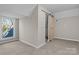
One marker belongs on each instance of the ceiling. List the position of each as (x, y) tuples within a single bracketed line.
[(16, 9), (60, 7), (26, 9)]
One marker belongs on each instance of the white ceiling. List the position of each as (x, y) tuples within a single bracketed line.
[(60, 7), (16, 9), (25, 9)]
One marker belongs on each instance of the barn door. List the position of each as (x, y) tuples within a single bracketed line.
[(51, 27)]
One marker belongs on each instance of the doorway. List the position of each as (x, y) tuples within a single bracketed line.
[(50, 27)]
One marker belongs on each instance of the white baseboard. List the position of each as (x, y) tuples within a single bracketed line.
[(41, 45), (32, 44), (6, 41), (67, 39), (28, 43)]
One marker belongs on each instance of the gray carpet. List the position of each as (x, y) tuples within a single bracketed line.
[(55, 47)]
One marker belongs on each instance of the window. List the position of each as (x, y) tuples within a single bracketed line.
[(8, 27)]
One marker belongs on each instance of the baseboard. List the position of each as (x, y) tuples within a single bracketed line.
[(35, 46), (7, 41), (29, 43), (67, 39), (41, 45)]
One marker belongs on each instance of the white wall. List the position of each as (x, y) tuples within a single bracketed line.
[(28, 28), (32, 28), (67, 26), (17, 29), (41, 26)]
